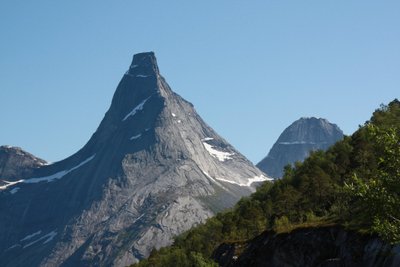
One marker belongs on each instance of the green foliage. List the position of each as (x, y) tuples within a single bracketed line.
[(198, 261), (356, 182), (387, 116), (378, 195), (174, 257), (388, 229), (282, 224)]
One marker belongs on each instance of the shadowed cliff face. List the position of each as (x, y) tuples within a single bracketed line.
[(325, 247), (152, 170), (296, 142)]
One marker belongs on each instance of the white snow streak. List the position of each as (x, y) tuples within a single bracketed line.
[(208, 176), (220, 155), (50, 236), (47, 239), (137, 219), (296, 143), (260, 178), (8, 184), (230, 181), (137, 75), (57, 175), (15, 190), (173, 114), (136, 109), (207, 139), (31, 235), (213, 180), (49, 178), (135, 136), (13, 246)]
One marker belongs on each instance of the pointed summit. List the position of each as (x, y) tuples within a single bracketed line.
[(152, 170), (144, 64)]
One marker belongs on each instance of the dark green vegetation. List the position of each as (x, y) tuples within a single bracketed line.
[(356, 183)]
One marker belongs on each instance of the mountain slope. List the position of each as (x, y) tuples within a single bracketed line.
[(296, 142), (152, 170), (353, 186)]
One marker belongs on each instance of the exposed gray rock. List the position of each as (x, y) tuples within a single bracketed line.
[(152, 170), (296, 142)]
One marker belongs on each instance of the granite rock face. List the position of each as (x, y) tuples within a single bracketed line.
[(296, 142), (152, 170)]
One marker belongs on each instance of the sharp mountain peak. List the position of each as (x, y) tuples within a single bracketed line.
[(152, 169)]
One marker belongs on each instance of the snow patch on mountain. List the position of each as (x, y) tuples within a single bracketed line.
[(135, 136), (8, 184), (47, 238), (220, 155), (57, 175), (26, 238), (250, 181), (136, 109), (49, 178), (50, 236), (213, 180)]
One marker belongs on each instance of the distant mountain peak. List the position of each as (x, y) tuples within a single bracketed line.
[(15, 163), (296, 141)]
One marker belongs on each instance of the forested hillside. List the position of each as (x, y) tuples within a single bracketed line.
[(356, 184)]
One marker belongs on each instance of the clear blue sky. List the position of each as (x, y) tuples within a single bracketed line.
[(250, 67)]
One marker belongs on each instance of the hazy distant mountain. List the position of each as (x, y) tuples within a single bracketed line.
[(296, 142), (152, 170), (15, 163)]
